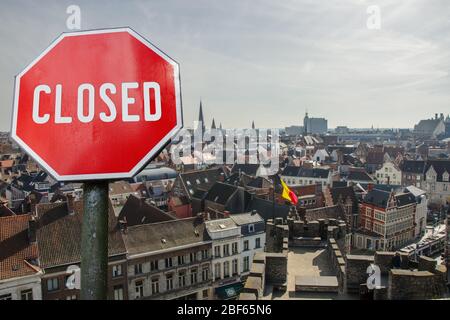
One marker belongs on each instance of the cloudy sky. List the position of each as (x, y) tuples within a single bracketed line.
[(267, 61)]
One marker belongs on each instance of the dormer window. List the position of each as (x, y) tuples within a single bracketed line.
[(445, 176), (251, 228)]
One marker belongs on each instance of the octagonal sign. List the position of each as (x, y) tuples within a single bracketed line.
[(97, 105)]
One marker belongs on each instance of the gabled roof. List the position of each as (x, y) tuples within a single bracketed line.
[(201, 179), (136, 211), (404, 199), (412, 166), (440, 166), (358, 176), (220, 192), (18, 257), (246, 218), (378, 198), (267, 210), (165, 235), (59, 234), (305, 172)]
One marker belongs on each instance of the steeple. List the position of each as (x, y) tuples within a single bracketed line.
[(200, 116), (253, 124), (220, 126), (213, 124)]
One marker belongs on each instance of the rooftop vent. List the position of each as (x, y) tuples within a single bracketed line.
[(222, 226), (163, 240)]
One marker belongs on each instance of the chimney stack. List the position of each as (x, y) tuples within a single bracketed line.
[(435, 116), (32, 230)]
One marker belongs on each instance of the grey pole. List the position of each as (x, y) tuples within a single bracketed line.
[(94, 241)]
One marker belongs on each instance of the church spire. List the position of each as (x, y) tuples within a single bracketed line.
[(200, 116), (253, 124), (220, 126), (213, 124)]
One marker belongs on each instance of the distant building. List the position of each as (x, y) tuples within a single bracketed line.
[(314, 125), (430, 127), (294, 130), (437, 181), (300, 176)]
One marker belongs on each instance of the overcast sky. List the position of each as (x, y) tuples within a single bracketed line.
[(267, 61)]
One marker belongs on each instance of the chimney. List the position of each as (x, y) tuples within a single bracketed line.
[(370, 187), (226, 214), (435, 116), (442, 116), (70, 202), (32, 230)]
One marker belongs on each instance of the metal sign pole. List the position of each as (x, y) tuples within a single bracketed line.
[(94, 241)]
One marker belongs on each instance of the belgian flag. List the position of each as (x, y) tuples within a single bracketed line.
[(286, 193)]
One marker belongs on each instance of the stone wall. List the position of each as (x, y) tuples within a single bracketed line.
[(355, 271), (338, 262), (276, 269)]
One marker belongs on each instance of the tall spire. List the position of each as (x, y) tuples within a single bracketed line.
[(213, 124), (200, 116), (220, 126), (253, 124)]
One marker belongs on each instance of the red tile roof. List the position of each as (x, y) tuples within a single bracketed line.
[(15, 249)]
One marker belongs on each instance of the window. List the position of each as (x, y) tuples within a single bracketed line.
[(180, 260), (169, 282), (139, 289), (154, 265), (234, 248), (117, 270), (72, 297), (138, 268), (246, 263), (205, 254), (118, 292), (52, 284), (6, 297), (251, 228), (193, 257), (205, 274), (257, 243), (26, 294), (168, 262), (193, 276), (205, 293), (226, 250), (217, 271), (217, 251), (226, 269), (235, 267), (182, 279), (155, 285), (245, 245)]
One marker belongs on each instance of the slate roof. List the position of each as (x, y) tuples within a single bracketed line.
[(378, 198), (246, 218), (265, 209), (201, 179), (427, 126), (440, 166), (137, 211), (375, 157), (220, 192), (358, 176), (16, 252), (292, 171), (220, 224), (412, 166), (405, 199), (59, 234), (248, 168), (165, 235)]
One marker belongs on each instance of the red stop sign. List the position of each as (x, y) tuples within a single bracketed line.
[(97, 105)]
